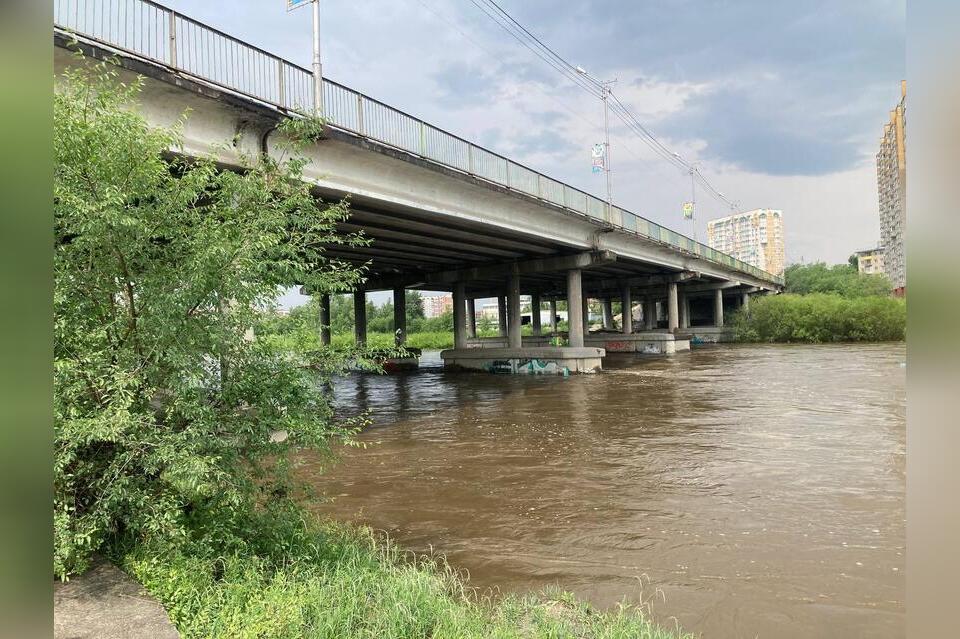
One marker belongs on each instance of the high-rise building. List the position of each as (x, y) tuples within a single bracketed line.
[(892, 192), (437, 305), (755, 237)]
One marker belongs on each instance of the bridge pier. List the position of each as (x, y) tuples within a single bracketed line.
[(626, 310), (607, 304), (673, 322), (502, 314), (472, 318), (360, 317), (718, 308), (553, 316), (649, 312), (684, 311), (535, 313), (325, 319), (514, 324)]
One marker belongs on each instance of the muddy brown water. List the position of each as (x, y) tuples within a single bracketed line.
[(743, 491)]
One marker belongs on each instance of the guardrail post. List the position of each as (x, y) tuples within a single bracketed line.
[(360, 114), (282, 82), (173, 38)]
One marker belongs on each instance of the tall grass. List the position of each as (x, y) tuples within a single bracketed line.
[(821, 318), (285, 577)]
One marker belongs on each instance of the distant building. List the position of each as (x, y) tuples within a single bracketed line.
[(437, 305), (754, 237), (892, 192), (870, 262)]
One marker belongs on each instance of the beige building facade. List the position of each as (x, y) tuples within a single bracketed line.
[(892, 192), (756, 237), (870, 262)]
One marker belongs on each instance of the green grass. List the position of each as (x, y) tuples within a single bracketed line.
[(820, 318), (284, 578)]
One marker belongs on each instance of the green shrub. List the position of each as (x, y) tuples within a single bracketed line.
[(819, 318), (843, 279)]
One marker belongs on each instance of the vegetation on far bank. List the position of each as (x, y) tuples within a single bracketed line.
[(825, 304), (164, 411)]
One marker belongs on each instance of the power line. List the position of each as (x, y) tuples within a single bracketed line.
[(508, 23)]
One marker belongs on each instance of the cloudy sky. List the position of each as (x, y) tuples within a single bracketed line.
[(781, 101)]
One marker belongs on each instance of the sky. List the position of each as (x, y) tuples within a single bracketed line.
[(782, 103)]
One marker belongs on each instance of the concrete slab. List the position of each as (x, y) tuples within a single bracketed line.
[(106, 603), (526, 361)]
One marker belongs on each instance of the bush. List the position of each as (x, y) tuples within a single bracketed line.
[(162, 408), (819, 318), (842, 279)]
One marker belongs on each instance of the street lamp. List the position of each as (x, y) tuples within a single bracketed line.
[(317, 66), (604, 94)]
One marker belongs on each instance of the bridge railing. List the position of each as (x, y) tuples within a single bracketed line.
[(150, 30)]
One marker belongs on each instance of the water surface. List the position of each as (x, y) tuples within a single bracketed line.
[(747, 491)]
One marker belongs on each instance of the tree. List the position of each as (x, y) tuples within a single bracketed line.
[(840, 279), (163, 410)]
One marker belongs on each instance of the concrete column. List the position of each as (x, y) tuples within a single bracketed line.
[(514, 339), (607, 313), (459, 309), (360, 317), (400, 316), (718, 307), (650, 313), (574, 302), (745, 303), (535, 312), (626, 304), (502, 314), (684, 311), (553, 316), (325, 319), (585, 311), (471, 318), (673, 320)]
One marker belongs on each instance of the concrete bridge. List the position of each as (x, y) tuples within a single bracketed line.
[(443, 213)]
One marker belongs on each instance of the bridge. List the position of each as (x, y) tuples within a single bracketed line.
[(443, 213)]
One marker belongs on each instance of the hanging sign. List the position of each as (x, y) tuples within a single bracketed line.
[(296, 4), (597, 154), (688, 210)]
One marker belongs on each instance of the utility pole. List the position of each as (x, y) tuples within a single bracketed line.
[(693, 200), (604, 95), (317, 66)]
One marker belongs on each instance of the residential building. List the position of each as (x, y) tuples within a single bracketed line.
[(755, 237), (437, 305), (892, 193), (870, 261)]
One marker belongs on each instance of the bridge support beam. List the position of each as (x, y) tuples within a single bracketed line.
[(471, 318), (745, 302), (553, 316), (673, 320), (459, 309), (607, 313), (575, 304), (360, 317), (626, 312), (325, 319), (684, 311), (400, 316), (718, 307), (535, 312), (514, 324)]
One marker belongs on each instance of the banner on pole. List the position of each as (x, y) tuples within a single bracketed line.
[(688, 210), (296, 4), (599, 161)]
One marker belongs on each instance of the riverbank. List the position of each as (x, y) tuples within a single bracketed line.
[(278, 575), (822, 318)]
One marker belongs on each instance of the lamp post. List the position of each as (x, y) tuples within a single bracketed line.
[(317, 66)]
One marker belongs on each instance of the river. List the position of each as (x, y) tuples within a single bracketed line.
[(745, 491)]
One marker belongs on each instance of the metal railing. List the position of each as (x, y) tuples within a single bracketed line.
[(150, 30)]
